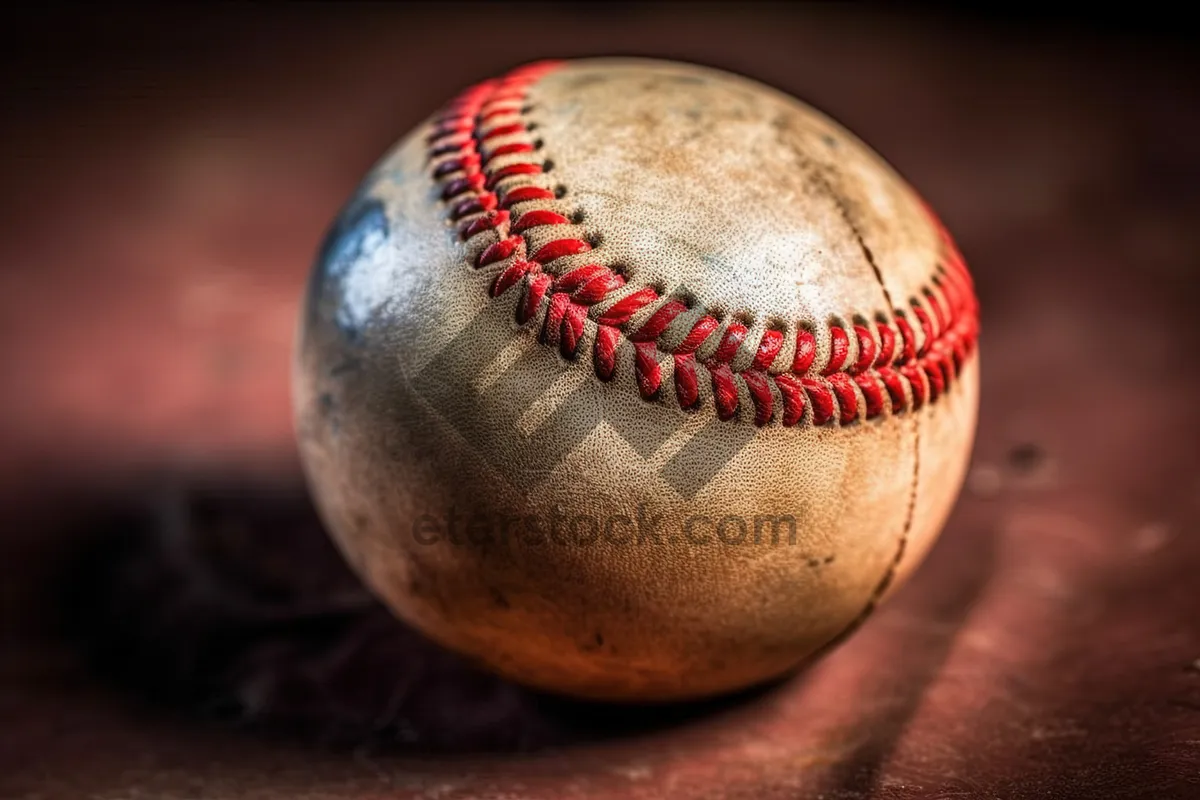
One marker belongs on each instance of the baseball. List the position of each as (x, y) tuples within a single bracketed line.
[(635, 380)]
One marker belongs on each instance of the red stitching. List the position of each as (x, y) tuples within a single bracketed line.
[(524, 193), (793, 398), (699, 334), (872, 393), (686, 386), (654, 327), (725, 393), (486, 164), (646, 369), (866, 349), (760, 391), (819, 398), (839, 349), (607, 338), (768, 347), (843, 389), (735, 334), (806, 351)]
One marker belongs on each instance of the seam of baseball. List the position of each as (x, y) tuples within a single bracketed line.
[(889, 574), (862, 244), (485, 158)]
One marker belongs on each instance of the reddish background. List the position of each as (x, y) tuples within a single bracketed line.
[(167, 177)]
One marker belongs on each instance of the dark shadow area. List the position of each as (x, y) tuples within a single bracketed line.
[(966, 562), (225, 600)]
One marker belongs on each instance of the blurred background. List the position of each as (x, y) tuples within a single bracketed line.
[(173, 622)]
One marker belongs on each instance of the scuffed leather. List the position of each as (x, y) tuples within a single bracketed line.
[(761, 208)]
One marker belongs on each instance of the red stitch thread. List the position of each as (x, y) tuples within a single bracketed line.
[(916, 380), (908, 347), (512, 169), (473, 205), (573, 328), (806, 351), (866, 349), (648, 373), (620, 313), (843, 389), (839, 350), (792, 393), (760, 393), (704, 327), (509, 277), (872, 393), (894, 386), (507, 149), (486, 122), (820, 398), (768, 347), (724, 390), (735, 334), (500, 250), (572, 280), (686, 387), (554, 317), (533, 297), (490, 220), (654, 327), (605, 358), (926, 328), (887, 345), (537, 217), (522, 194), (559, 247)]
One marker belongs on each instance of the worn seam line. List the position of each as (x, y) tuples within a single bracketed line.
[(889, 574)]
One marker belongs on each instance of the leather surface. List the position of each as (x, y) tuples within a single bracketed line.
[(748, 198), (420, 398)]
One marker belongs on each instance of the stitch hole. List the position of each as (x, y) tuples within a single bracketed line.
[(858, 319), (547, 165), (532, 126), (717, 312), (560, 191), (778, 324), (577, 217), (745, 318), (686, 297), (528, 108), (538, 144), (595, 239)]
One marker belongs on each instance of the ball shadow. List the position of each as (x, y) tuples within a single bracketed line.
[(223, 599)]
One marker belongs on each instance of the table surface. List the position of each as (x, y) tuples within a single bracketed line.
[(165, 189)]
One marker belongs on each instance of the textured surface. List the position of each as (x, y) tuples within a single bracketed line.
[(1047, 646), (561, 521)]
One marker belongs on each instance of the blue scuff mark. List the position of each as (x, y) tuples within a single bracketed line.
[(351, 265)]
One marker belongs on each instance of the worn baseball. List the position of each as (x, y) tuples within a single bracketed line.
[(635, 380)]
